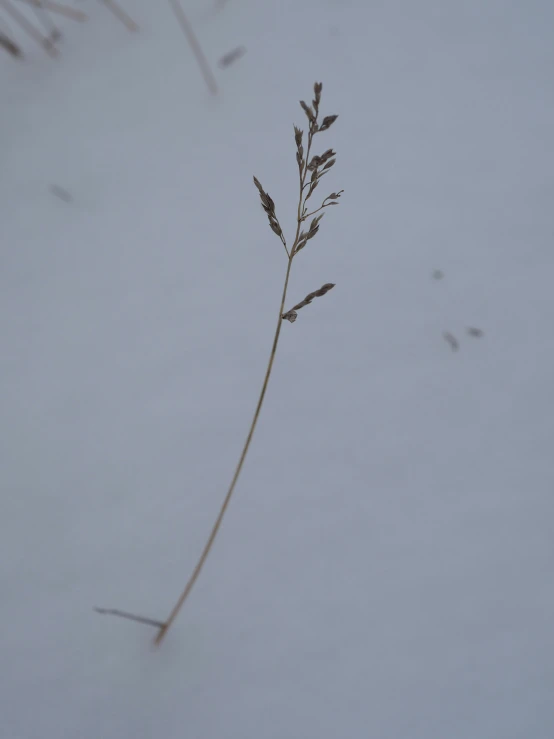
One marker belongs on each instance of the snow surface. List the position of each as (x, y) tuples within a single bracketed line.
[(385, 569)]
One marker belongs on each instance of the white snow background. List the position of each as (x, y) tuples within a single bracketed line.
[(386, 566)]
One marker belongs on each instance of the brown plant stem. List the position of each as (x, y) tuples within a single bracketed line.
[(121, 15), (207, 547), (28, 27), (195, 46), (130, 616), (164, 626), (196, 572), (305, 165)]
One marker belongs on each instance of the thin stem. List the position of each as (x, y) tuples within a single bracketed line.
[(219, 519), (211, 538), (130, 616), (121, 15), (307, 215), (301, 201), (195, 46), (28, 27)]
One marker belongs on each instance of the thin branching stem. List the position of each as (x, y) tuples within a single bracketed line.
[(211, 538), (300, 240), (307, 215)]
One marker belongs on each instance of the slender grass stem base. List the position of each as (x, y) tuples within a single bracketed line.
[(196, 572)]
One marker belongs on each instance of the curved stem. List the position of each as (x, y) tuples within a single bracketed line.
[(314, 212), (190, 584), (211, 538)]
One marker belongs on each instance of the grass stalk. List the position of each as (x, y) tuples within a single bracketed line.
[(310, 171), (269, 207), (207, 547), (195, 46)]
